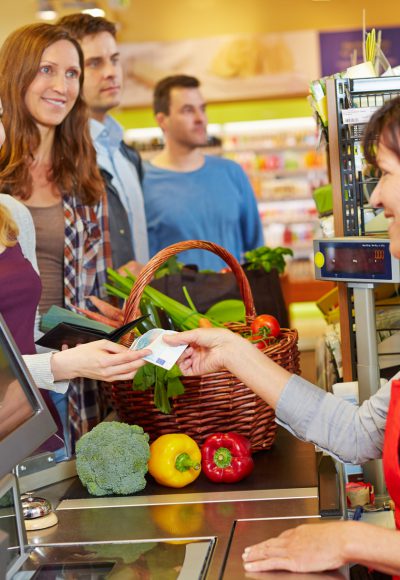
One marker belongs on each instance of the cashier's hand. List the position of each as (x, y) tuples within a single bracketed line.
[(101, 360), (210, 349), (307, 548)]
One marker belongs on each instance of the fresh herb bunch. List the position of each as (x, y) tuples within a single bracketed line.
[(267, 258), (166, 384)]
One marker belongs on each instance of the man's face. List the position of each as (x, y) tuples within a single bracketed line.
[(387, 193), (186, 123), (103, 74)]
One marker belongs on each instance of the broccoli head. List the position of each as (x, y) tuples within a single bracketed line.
[(112, 459)]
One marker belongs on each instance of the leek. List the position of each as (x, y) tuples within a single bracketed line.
[(183, 317)]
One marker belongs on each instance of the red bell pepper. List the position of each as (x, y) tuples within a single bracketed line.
[(226, 457)]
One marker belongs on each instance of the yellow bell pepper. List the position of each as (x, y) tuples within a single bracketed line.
[(175, 460)]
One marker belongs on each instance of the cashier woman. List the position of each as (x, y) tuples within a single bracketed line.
[(350, 433)]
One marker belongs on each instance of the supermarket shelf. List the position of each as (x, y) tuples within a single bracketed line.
[(288, 198), (271, 173), (267, 220), (265, 204), (280, 158), (266, 149), (147, 154)]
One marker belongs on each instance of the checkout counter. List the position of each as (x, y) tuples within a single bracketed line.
[(196, 532)]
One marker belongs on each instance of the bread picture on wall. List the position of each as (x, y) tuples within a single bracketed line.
[(229, 67), (246, 57)]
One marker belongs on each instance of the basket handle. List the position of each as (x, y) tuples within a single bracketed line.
[(146, 275)]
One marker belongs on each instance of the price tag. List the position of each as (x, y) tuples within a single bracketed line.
[(358, 116)]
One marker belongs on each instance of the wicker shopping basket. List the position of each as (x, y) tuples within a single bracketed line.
[(214, 402)]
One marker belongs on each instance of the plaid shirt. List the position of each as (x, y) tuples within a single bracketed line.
[(87, 254)]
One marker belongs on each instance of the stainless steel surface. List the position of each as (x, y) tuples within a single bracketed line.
[(205, 497), (35, 463), (165, 521), (170, 522), (54, 473), (183, 561), (368, 372), (248, 533)]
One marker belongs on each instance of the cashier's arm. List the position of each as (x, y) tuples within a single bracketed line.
[(213, 349), (308, 548)]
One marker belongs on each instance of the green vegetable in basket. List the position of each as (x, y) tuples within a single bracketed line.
[(182, 316), (171, 266), (112, 459), (231, 310), (167, 384), (267, 258)]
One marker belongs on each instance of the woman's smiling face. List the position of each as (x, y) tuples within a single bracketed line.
[(387, 193), (55, 88)]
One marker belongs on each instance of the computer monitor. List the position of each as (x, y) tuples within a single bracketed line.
[(25, 421)]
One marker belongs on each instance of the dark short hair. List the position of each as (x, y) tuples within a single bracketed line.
[(162, 90), (383, 126), (80, 25)]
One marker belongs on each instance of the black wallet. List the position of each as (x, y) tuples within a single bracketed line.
[(73, 334)]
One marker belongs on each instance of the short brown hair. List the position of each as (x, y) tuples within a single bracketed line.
[(384, 126), (162, 90), (73, 161), (80, 25)]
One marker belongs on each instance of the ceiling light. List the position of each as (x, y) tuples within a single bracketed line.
[(46, 10), (94, 11), (85, 6)]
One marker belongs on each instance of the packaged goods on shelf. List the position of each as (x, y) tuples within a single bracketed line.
[(281, 160), (285, 189)]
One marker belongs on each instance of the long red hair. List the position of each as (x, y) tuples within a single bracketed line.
[(74, 169)]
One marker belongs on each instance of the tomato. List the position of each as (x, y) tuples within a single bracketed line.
[(259, 342), (266, 326)]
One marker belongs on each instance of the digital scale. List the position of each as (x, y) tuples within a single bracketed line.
[(361, 263), (355, 259)]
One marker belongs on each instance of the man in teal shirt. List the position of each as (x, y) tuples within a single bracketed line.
[(189, 195)]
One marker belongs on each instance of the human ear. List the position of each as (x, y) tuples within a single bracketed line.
[(161, 120)]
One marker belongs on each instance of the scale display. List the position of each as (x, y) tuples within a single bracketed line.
[(355, 259)]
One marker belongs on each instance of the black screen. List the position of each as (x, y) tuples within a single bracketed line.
[(354, 260)]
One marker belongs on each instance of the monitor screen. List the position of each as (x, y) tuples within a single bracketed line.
[(25, 421)]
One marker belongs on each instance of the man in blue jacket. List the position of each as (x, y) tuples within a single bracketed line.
[(190, 195), (120, 165)]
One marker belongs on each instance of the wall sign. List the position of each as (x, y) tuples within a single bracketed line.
[(336, 48)]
